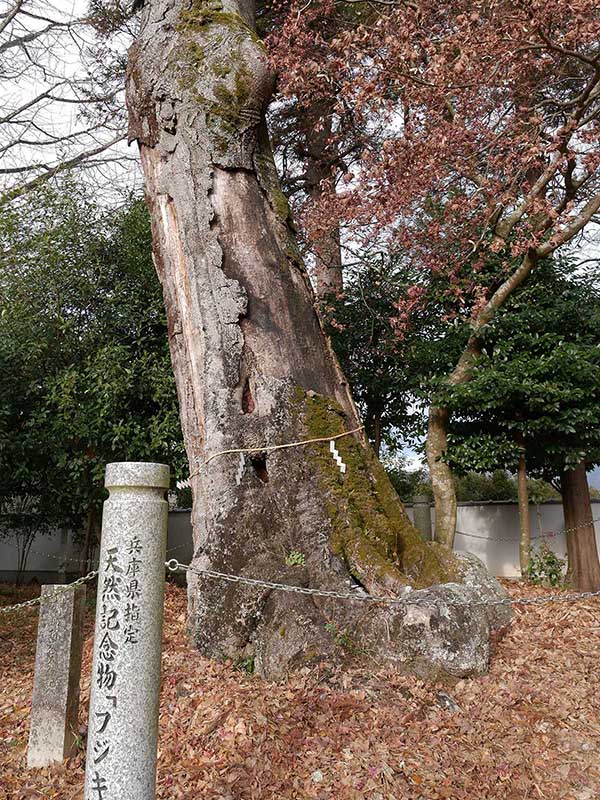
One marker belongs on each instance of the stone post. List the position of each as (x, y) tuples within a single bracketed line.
[(123, 722), (422, 516), (55, 700)]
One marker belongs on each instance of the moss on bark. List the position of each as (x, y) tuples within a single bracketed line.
[(210, 12), (370, 529)]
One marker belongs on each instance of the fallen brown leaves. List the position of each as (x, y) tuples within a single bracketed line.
[(529, 729)]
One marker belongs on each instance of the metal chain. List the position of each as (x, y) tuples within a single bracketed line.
[(461, 533), (45, 555), (548, 535), (36, 600), (173, 565)]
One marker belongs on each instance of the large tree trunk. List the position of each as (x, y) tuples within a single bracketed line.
[(524, 515), (253, 367), (584, 568)]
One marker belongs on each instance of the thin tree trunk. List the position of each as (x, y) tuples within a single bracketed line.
[(440, 474), (253, 366), (524, 513), (377, 435), (84, 560), (584, 567), (24, 542), (327, 249)]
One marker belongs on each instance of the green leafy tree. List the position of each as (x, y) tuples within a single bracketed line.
[(386, 372), (407, 482), (533, 402), (534, 392), (83, 353), (481, 486)]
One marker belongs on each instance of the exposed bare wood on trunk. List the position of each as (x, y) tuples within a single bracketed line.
[(584, 567), (253, 367)]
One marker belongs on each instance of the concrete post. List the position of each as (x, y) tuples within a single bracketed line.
[(55, 700), (123, 723), (422, 516)]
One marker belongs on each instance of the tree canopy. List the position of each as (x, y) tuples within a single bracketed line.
[(537, 381), (83, 351)]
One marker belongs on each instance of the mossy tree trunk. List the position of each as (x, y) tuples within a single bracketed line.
[(253, 367)]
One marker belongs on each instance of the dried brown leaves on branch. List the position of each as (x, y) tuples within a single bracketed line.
[(483, 121), (529, 729)]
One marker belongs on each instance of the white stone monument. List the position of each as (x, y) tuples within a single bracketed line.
[(55, 700), (123, 722)]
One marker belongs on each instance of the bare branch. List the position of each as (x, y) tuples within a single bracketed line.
[(64, 166), (567, 232), (12, 13)]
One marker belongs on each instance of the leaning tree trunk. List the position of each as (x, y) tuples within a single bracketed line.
[(584, 568), (253, 368), (440, 475)]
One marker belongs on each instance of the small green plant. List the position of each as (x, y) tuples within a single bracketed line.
[(295, 559), (545, 567), (246, 665), (341, 638), (78, 740)]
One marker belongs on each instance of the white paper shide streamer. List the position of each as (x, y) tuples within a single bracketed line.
[(337, 457)]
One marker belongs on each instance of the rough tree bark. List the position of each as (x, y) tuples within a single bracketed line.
[(253, 367), (584, 568)]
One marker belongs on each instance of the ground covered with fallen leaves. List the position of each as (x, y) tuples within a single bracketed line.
[(528, 729)]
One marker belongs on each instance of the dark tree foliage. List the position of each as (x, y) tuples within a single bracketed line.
[(83, 353), (388, 373), (538, 378)]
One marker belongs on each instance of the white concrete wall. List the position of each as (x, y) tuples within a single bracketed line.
[(48, 552), (497, 522)]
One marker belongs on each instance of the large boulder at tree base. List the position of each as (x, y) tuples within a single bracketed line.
[(443, 631)]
